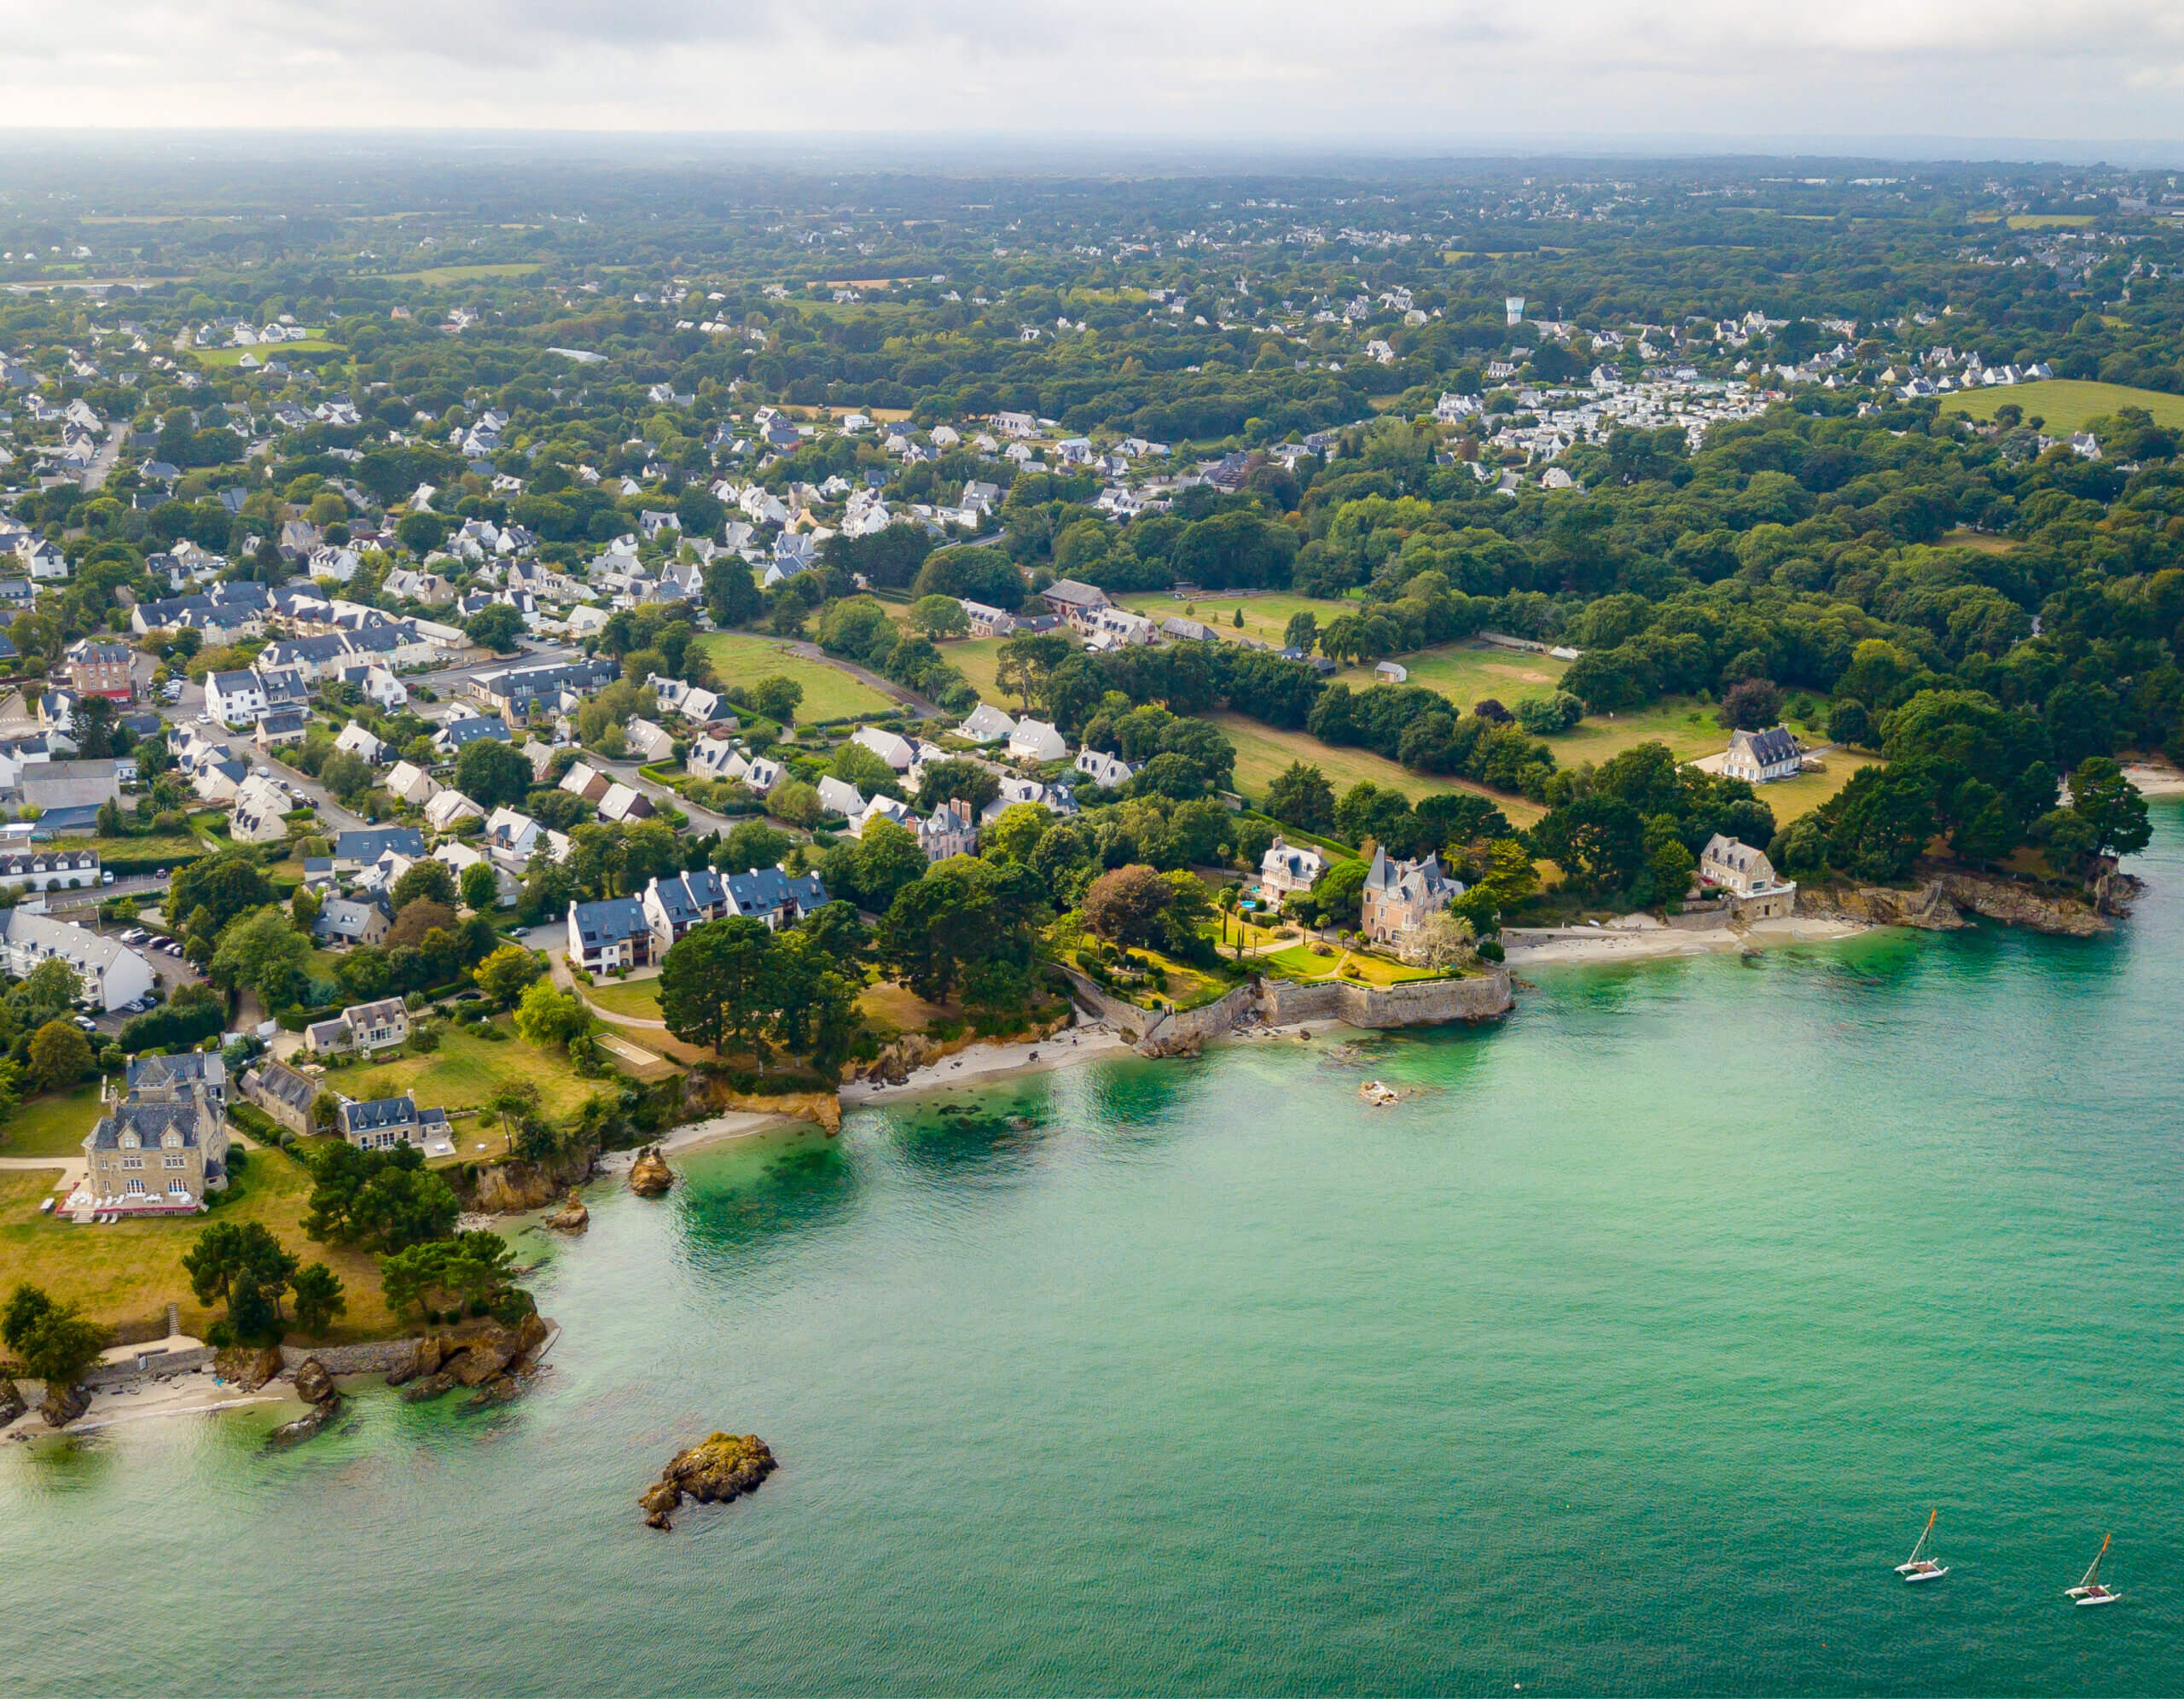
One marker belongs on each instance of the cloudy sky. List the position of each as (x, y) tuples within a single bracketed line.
[(1407, 73)]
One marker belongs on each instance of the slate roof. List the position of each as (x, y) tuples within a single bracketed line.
[(367, 846), (1771, 748), (609, 921), (768, 890)]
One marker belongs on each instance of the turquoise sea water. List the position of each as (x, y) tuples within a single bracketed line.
[(1627, 1356)]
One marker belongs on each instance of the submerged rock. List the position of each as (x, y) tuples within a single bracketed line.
[(650, 1176), (722, 1468), (572, 1217)]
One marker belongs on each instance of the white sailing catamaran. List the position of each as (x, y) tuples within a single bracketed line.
[(1918, 1567), (2090, 1590)]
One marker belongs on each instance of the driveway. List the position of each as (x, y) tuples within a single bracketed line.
[(702, 820), (117, 439)]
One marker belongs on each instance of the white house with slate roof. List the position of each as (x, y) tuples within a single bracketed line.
[(773, 895), (986, 724), (613, 933), (113, 973), (1290, 867), (1762, 757), (361, 1027), (675, 905), (234, 699), (1035, 740)]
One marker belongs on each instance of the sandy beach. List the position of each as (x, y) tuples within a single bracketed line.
[(190, 1394), (988, 1062), (2152, 781), (1636, 944)]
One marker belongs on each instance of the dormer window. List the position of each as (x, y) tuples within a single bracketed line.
[(130, 1141)]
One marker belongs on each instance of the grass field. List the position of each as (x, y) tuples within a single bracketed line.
[(131, 1271), (828, 693), (1792, 799), (1261, 752), (897, 1009), (229, 356), (465, 274), (640, 1001), (1465, 672), (977, 659), (1962, 539), (2066, 404), (1688, 727), (51, 1124), (1298, 963), (465, 1070), (1265, 617)]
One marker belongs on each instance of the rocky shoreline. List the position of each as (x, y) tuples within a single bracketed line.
[(1942, 898)]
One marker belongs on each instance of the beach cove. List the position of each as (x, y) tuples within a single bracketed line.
[(1675, 1301)]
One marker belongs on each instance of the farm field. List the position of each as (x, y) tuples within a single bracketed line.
[(132, 1270), (2066, 404), (1262, 752), (828, 693)]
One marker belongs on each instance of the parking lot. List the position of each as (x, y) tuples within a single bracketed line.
[(173, 972)]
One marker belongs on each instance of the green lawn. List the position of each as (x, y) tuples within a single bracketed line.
[(467, 1069), (1261, 752), (979, 658), (1298, 963), (1265, 617), (1686, 726), (276, 351), (1465, 671), (641, 1000), (132, 1270), (2066, 404), (51, 1124), (828, 693)]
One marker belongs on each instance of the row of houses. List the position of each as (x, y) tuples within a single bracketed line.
[(621, 932)]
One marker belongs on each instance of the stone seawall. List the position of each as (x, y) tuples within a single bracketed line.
[(1283, 1003), (377, 1357)]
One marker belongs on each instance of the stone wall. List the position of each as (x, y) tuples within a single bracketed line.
[(147, 1367), (1283, 1003), (377, 1357)]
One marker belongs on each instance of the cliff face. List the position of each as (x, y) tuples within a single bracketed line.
[(518, 1188), (1939, 902), (2004, 900), (705, 1095)]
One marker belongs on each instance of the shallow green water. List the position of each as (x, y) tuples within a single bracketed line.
[(1627, 1356)]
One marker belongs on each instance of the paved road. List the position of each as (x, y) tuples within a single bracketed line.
[(117, 439), (332, 814), (702, 820), (886, 687)]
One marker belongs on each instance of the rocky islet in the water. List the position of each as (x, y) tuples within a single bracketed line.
[(720, 1468)]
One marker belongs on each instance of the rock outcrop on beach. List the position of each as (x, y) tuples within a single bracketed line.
[(315, 1387), (722, 1468), (572, 1217), (492, 1360), (650, 1176), (11, 1401), (1183, 1044), (247, 1366), (63, 1405)]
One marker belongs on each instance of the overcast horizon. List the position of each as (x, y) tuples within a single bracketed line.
[(1404, 77)]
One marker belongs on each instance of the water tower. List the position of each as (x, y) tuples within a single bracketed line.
[(1514, 304)]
